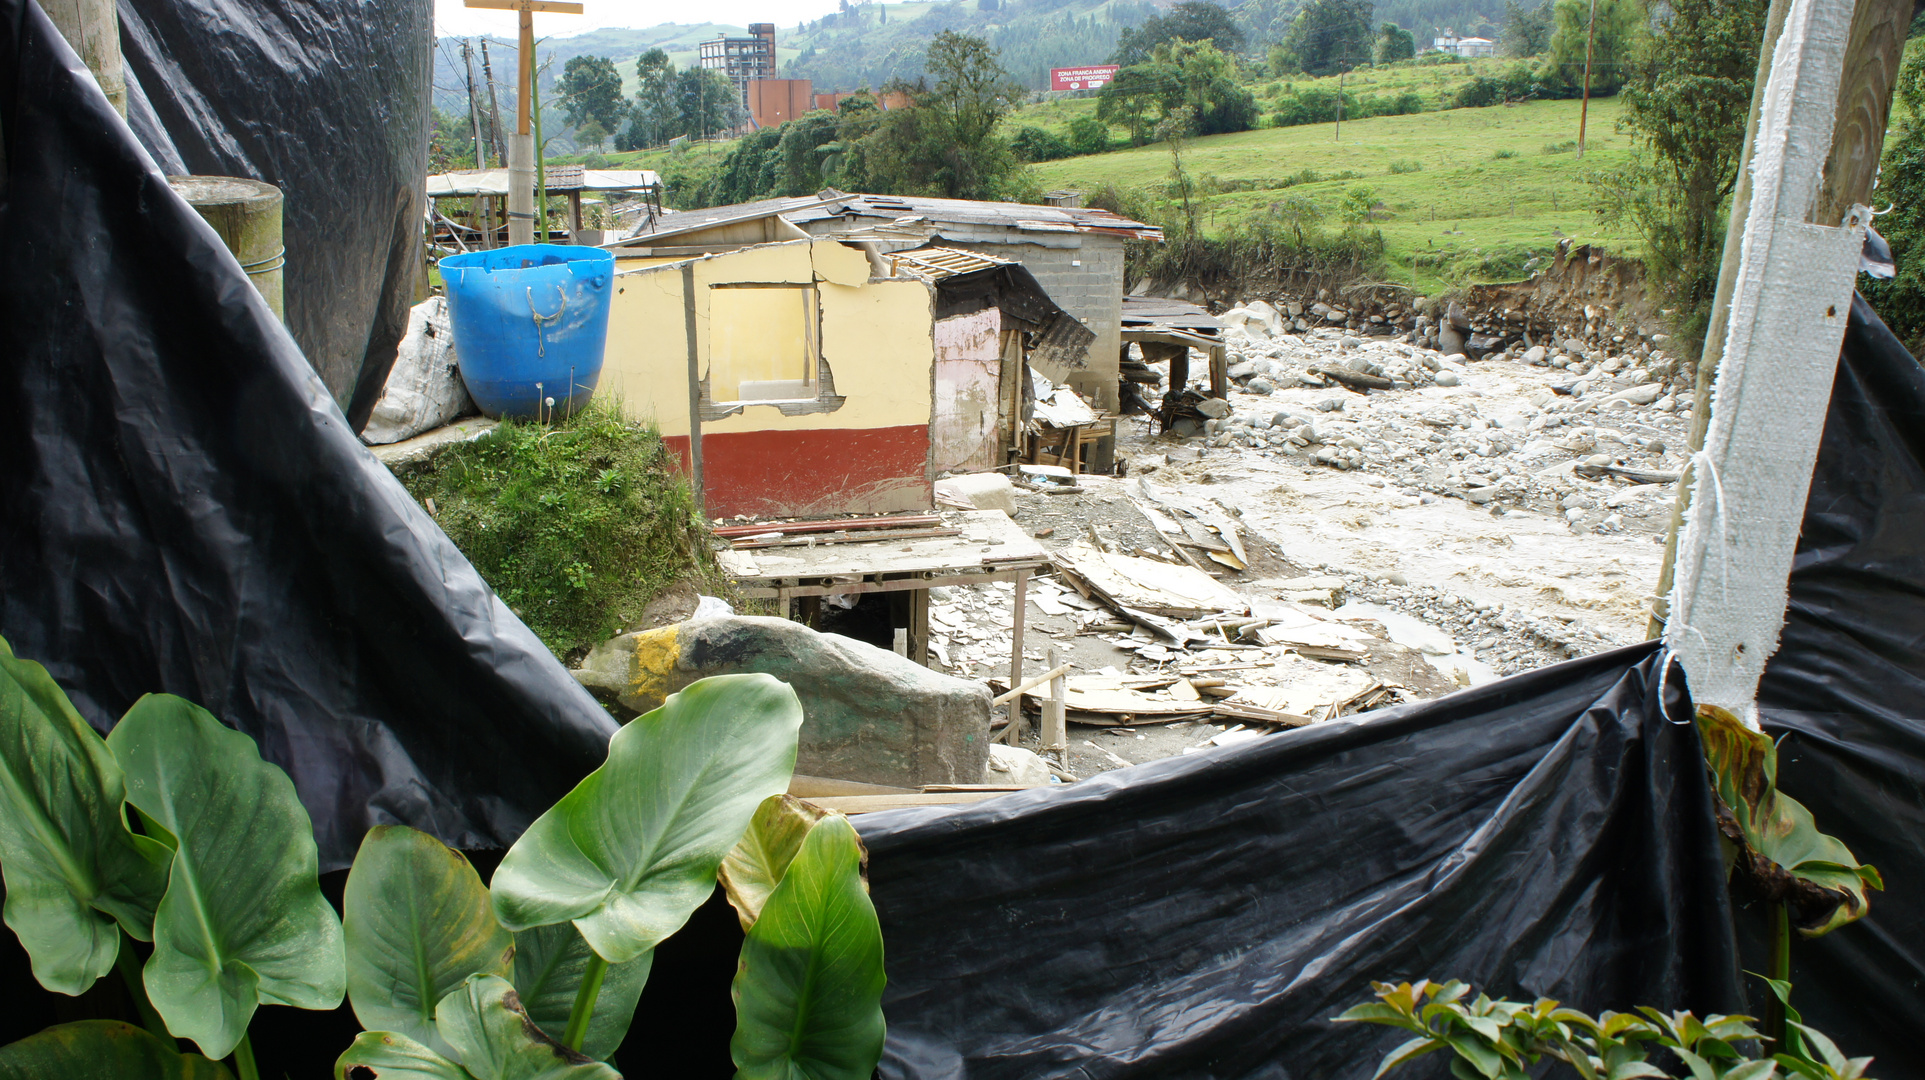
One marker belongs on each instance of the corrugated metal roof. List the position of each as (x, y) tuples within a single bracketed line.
[(470, 182)]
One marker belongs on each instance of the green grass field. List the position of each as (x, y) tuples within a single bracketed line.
[(1465, 194)]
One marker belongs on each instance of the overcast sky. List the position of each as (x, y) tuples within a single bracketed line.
[(450, 17)]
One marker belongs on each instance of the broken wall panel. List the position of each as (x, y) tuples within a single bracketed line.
[(328, 101), (856, 439), (1206, 916), (970, 427)]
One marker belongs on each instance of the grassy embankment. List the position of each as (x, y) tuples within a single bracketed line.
[(1465, 194)]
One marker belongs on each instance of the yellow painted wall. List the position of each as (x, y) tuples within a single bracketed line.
[(876, 339)]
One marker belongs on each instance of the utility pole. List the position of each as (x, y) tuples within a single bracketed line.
[(1341, 72), (521, 150), (494, 106), (474, 113), (1584, 110)]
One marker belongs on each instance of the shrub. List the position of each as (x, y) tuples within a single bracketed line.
[(1503, 154), (1033, 144), (1399, 168), (1564, 147), (1358, 206), (1088, 135), (576, 525)]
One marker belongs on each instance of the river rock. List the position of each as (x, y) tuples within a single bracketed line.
[(867, 714), (1214, 408), (1447, 378)]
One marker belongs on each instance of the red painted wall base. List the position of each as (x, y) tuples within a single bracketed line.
[(814, 473)]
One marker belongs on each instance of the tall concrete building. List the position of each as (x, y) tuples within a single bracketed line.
[(743, 59)]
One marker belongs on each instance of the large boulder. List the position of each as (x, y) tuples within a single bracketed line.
[(867, 714)]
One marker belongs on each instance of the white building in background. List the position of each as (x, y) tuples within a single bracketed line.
[(1467, 47)]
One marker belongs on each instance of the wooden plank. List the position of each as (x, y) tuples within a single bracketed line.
[(1055, 722), (869, 804), (865, 538), (1873, 54), (1031, 683), (559, 7), (795, 527), (809, 787)]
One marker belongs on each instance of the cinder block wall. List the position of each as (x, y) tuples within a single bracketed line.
[(1091, 291)]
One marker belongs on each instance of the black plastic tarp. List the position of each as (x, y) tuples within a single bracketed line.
[(183, 507), (1846, 689), (1205, 916), (328, 100)]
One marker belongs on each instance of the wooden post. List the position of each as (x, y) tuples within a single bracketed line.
[(919, 626), (1789, 308), (92, 28), (247, 215), (574, 212), (1584, 109), (1055, 714), (694, 388), (521, 148), (1016, 627), (1874, 53)]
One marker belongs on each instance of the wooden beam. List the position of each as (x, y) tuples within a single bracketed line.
[(560, 7), (1873, 54), (1789, 306)]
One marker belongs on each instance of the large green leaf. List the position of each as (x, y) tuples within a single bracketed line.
[(389, 1055), (243, 921), (549, 964), (71, 866), (103, 1049), (417, 922), (808, 992), (633, 850), (757, 862), (1823, 881), (484, 1022)]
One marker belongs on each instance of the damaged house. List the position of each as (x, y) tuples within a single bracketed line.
[(1074, 253), (822, 377)]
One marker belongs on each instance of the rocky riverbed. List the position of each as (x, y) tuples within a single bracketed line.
[(1483, 516)]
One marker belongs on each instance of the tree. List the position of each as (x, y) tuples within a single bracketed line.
[(1620, 31), (1395, 43), (947, 143), (1180, 75), (1901, 300), (1192, 20), (1527, 30), (591, 135), (706, 103), (1687, 109), (1331, 34), (654, 116), (591, 90)]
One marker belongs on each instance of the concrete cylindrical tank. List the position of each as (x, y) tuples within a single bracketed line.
[(247, 215)]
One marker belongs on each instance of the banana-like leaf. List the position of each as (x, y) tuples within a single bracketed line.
[(549, 964), (756, 863), (102, 1048), (633, 850), (1777, 839), (72, 868), (485, 1023), (417, 922), (808, 990), (390, 1055), (243, 921)]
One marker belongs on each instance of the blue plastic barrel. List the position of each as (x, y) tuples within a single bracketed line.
[(530, 323)]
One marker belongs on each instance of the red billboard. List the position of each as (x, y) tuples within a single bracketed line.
[(1083, 78)]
